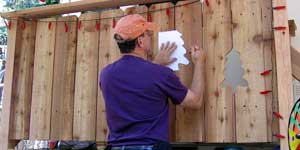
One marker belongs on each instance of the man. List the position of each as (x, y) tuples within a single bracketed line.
[(136, 91)]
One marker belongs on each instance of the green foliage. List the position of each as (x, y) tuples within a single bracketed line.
[(21, 4), (3, 35)]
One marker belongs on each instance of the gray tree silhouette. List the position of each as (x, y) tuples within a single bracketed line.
[(234, 71)]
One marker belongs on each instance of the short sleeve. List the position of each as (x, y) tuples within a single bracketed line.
[(172, 87)]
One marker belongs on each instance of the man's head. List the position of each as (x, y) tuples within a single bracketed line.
[(134, 32)]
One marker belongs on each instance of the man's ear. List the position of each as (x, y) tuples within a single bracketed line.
[(139, 41)]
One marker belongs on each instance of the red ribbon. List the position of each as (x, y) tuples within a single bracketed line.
[(265, 92), (79, 25), (98, 25), (280, 28), (149, 18), (279, 7), (114, 23), (9, 25), (277, 114), (168, 12), (23, 25), (207, 3), (49, 25), (279, 136), (265, 72), (66, 27)]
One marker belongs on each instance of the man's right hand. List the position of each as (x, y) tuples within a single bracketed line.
[(198, 55), (163, 56)]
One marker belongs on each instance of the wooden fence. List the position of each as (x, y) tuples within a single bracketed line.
[(56, 62)]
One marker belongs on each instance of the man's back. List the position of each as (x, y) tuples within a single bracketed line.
[(136, 96)]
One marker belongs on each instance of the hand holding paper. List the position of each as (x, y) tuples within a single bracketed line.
[(180, 51)]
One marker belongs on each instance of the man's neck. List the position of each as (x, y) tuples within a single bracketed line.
[(137, 53)]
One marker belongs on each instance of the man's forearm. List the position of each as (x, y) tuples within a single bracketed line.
[(197, 85)]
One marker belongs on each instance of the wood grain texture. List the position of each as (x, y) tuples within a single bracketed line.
[(22, 81), (267, 40), (108, 53), (165, 22), (247, 26), (42, 80), (284, 71), (219, 98), (13, 38), (85, 101), (78, 6), (64, 79), (189, 123)]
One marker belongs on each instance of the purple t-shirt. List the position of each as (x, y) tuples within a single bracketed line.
[(136, 95)]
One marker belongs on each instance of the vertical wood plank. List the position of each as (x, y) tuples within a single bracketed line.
[(164, 20), (163, 15), (13, 38), (189, 123), (267, 40), (247, 22), (64, 79), (275, 104), (108, 53), (284, 71), (42, 80), (22, 81), (84, 125), (141, 10), (219, 98)]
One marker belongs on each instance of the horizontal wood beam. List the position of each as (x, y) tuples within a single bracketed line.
[(79, 6), (295, 55)]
